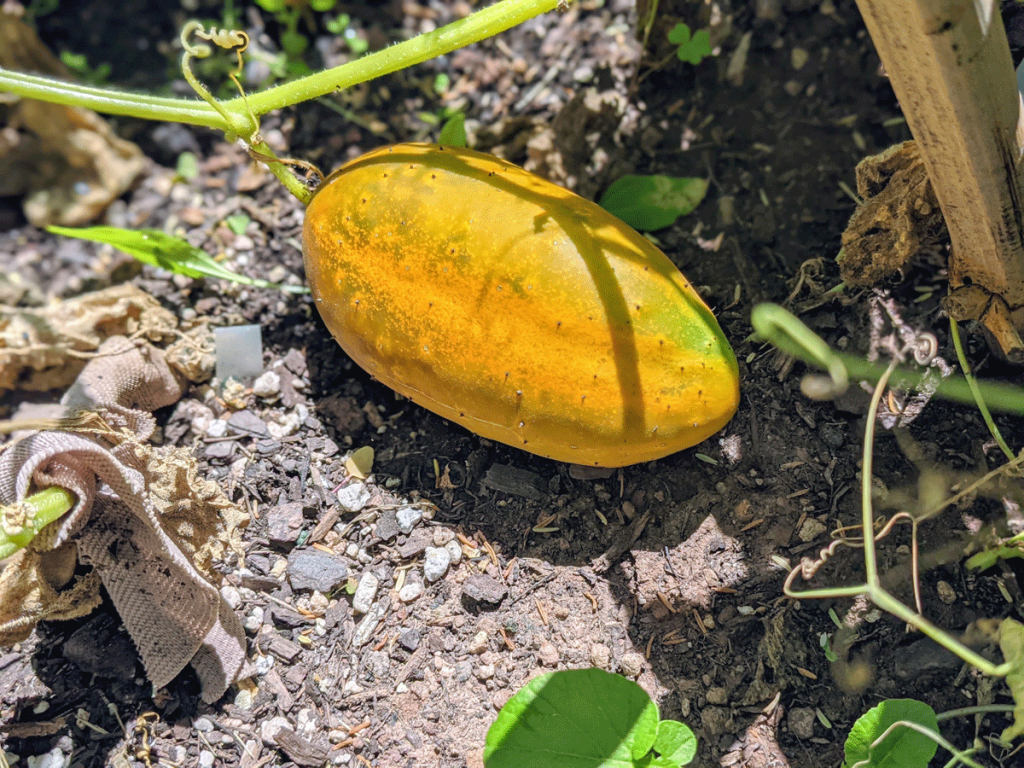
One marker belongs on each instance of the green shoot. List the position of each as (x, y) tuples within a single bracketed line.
[(453, 132), (78, 64), (238, 222), (21, 522), (825, 641), (585, 718), (153, 247), (954, 329), (694, 47), (649, 203)]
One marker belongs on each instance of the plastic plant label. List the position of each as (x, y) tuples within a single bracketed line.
[(239, 352)]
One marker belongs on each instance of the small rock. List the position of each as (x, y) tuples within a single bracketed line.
[(479, 642), (318, 603), (354, 497), (376, 664), (243, 243), (270, 727), (409, 639), (243, 699), (416, 544), (811, 529), (481, 589), (53, 759), (284, 523), (267, 386), (247, 423), (547, 655), (454, 551), (411, 591), (312, 569), (231, 596), (408, 518), (600, 656), (442, 536), (365, 592), (801, 722), (946, 592), (717, 695), (369, 623), (220, 451), (583, 74), (387, 525), (632, 664), (206, 758), (435, 564), (484, 672)]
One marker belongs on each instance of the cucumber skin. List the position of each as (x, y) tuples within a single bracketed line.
[(515, 308)]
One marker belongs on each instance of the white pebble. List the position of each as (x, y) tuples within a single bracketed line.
[(435, 563), (269, 729), (411, 591), (231, 596), (206, 758), (454, 549), (408, 518), (365, 592)]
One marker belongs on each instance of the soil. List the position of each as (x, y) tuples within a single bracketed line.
[(670, 572)]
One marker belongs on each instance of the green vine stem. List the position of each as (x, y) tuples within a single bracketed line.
[(785, 330), (872, 586), (480, 25), (954, 330), (22, 521)]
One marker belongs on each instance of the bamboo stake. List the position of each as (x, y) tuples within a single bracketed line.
[(949, 64)]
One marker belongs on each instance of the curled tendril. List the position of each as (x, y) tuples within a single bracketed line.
[(229, 39)]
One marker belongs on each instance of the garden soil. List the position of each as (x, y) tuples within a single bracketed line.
[(479, 566)]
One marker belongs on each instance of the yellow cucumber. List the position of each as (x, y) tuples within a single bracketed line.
[(515, 308)]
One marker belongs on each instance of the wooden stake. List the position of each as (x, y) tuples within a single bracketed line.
[(949, 64)]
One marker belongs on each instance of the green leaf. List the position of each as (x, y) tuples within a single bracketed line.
[(1011, 643), (322, 6), (293, 43), (679, 34), (151, 246), (696, 49), (675, 742), (187, 166), (649, 203), (453, 132), (693, 47), (237, 222), (903, 747), (272, 6), (581, 718)]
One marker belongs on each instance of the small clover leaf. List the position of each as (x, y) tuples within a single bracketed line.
[(694, 47)]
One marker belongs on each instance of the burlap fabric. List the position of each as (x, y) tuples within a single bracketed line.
[(174, 615)]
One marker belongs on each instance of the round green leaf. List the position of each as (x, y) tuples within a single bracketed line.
[(582, 718), (903, 747), (648, 203), (675, 742)]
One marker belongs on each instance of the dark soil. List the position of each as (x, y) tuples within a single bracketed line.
[(670, 571)]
